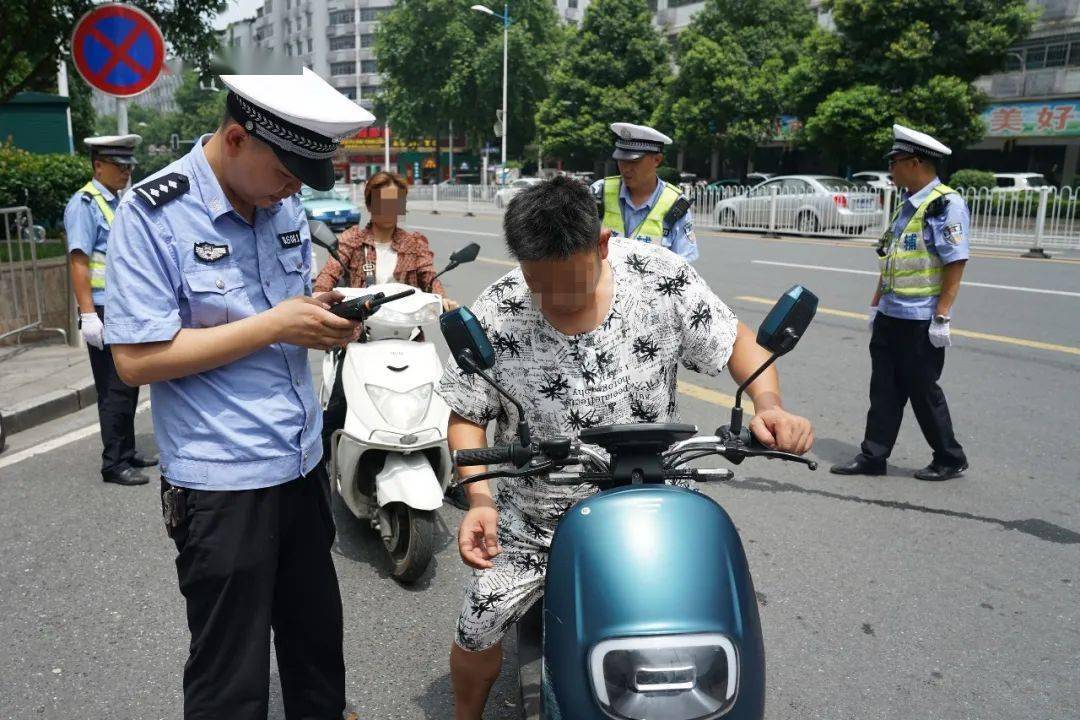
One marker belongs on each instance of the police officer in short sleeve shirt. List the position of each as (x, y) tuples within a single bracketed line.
[(636, 203), (209, 283), (922, 258)]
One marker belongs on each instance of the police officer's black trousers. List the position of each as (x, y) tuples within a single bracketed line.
[(249, 562), (906, 367), (116, 404)]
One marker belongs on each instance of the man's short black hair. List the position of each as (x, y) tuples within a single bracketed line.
[(552, 221)]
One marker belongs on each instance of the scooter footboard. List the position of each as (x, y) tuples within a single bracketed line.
[(650, 610)]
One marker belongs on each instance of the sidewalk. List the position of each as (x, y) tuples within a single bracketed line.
[(41, 381)]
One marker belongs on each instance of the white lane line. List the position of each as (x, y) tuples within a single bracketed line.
[(1015, 288), (457, 232), (50, 445)]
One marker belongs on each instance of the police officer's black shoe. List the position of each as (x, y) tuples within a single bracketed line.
[(859, 466), (935, 473), (143, 461), (126, 476)]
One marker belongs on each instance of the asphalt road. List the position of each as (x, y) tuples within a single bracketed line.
[(880, 598)]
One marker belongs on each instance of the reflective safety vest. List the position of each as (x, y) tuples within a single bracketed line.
[(908, 268), (653, 224), (97, 259)]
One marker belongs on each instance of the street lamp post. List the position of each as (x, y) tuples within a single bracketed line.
[(505, 17)]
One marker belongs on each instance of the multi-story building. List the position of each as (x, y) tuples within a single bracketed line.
[(160, 97), (1033, 122)]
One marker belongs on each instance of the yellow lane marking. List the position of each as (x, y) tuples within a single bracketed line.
[(711, 396), (493, 261), (960, 333)]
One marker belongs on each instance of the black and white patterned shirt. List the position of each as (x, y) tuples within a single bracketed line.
[(624, 371)]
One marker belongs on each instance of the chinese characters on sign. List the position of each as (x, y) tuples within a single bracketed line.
[(1058, 118), (374, 137)]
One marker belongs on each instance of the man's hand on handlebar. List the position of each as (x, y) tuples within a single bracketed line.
[(778, 429), (478, 539)]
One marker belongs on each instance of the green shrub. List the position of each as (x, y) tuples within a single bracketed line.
[(972, 179), (45, 183)]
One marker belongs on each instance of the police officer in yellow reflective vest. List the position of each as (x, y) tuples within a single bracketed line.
[(638, 204), (87, 221), (922, 257)]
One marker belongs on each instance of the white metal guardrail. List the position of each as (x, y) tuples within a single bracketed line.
[(1029, 219), (21, 303)]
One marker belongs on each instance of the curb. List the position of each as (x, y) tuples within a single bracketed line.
[(49, 406)]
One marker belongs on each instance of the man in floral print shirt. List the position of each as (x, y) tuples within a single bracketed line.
[(589, 330)]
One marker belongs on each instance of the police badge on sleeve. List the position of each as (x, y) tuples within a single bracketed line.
[(209, 252), (953, 233)]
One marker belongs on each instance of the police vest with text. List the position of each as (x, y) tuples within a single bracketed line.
[(908, 268), (662, 217), (97, 259)]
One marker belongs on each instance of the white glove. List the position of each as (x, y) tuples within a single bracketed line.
[(93, 331), (939, 334), (870, 318)]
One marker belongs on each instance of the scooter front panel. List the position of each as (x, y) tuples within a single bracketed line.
[(648, 562)]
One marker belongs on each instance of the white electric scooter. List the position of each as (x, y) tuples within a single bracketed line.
[(390, 462)]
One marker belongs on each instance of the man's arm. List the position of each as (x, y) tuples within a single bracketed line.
[(301, 320), (478, 540), (80, 280), (951, 275)]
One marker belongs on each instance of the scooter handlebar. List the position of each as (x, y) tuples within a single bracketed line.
[(483, 456)]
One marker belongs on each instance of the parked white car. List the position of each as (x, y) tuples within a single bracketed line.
[(877, 179), (1011, 182), (504, 196), (804, 204)]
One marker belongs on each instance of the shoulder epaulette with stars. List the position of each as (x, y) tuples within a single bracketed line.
[(159, 191)]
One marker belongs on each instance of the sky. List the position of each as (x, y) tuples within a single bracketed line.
[(237, 10)]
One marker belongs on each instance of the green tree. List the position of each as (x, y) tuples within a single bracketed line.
[(731, 62), (29, 55), (442, 61), (916, 60), (615, 68)]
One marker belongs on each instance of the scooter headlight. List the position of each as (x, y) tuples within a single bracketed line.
[(402, 410), (672, 677)]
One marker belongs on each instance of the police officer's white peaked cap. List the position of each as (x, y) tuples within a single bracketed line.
[(302, 117), (118, 148), (913, 142), (633, 141)]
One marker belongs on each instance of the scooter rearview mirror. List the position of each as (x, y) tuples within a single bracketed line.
[(472, 350), (323, 236), (466, 254), (786, 323), (778, 333), (467, 340)]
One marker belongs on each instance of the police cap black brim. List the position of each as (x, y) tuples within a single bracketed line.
[(621, 154), (315, 173)]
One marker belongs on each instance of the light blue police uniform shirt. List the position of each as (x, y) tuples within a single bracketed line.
[(680, 239), (86, 228), (255, 422), (946, 236)]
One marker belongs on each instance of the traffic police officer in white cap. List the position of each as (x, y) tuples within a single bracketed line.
[(638, 204), (922, 258), (88, 220), (209, 301)]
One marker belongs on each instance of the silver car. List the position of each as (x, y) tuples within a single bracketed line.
[(804, 204)]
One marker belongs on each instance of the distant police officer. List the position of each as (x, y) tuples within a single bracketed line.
[(638, 204), (88, 220), (922, 258), (209, 282)]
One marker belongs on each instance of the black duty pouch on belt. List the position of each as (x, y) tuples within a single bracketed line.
[(173, 507)]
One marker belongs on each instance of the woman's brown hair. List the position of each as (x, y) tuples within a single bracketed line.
[(380, 180)]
